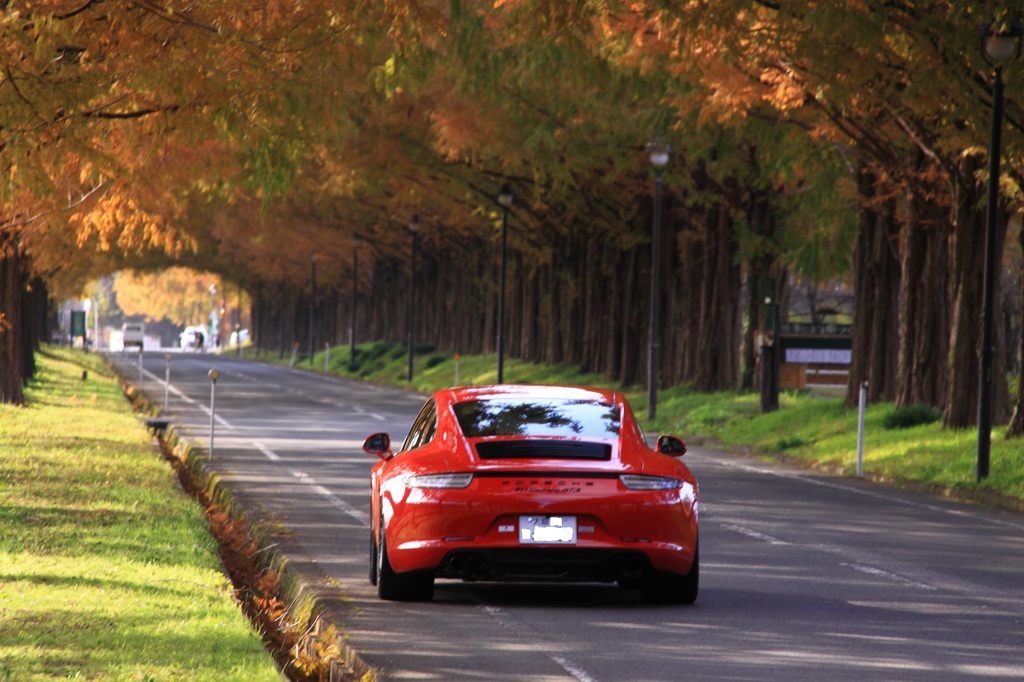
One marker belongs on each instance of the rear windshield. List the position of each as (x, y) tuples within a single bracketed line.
[(537, 418)]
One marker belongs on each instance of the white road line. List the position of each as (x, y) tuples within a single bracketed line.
[(508, 621), (754, 534), (205, 408), (879, 573), (270, 454), (573, 669), (869, 493), (357, 514), (373, 415)]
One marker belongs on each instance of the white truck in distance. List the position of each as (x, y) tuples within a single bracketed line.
[(133, 334)]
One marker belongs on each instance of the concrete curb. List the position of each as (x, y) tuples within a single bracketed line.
[(301, 580)]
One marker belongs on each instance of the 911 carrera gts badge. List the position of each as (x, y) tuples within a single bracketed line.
[(548, 486)]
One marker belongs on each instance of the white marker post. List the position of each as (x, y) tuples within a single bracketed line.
[(140, 369), (167, 379), (213, 374), (860, 429)]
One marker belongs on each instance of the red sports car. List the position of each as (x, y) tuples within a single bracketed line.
[(518, 482)]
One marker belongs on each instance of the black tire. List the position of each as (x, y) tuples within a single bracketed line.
[(672, 588), (412, 586)]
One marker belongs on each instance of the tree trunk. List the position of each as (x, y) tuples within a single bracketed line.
[(760, 267), (968, 256), (1016, 426), (12, 341), (718, 340), (876, 280), (924, 305)]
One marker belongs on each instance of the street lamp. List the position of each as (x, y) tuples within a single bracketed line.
[(312, 304), (658, 152), (999, 46), (355, 291), (414, 227), (505, 199), (213, 315)]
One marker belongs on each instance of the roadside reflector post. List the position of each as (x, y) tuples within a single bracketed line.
[(456, 369), (295, 349), (213, 374), (167, 378), (860, 428), (140, 369), (327, 356)]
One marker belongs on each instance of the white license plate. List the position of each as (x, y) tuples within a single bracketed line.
[(547, 530)]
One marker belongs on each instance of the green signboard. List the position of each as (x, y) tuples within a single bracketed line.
[(78, 323)]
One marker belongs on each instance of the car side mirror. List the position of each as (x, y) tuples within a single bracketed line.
[(378, 444), (670, 445)]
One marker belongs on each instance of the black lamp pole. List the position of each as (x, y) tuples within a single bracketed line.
[(312, 305), (505, 199), (212, 341), (355, 291), (659, 153), (998, 48), (414, 227)]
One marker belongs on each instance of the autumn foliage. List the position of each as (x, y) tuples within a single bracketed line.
[(812, 142)]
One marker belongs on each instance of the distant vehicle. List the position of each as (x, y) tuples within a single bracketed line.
[(552, 483), (193, 339), (239, 337), (133, 334)]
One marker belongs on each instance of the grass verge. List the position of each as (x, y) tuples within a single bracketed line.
[(108, 571), (808, 430)]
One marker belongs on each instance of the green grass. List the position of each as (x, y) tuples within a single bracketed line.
[(808, 428), (107, 569)]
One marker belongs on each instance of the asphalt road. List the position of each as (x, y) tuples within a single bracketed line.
[(804, 577)]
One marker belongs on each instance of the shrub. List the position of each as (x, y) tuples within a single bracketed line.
[(376, 350), (790, 442), (912, 415), (435, 360)]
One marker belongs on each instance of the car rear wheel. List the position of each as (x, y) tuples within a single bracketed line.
[(672, 588), (412, 586)]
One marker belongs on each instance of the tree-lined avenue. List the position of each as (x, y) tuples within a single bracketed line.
[(804, 577)]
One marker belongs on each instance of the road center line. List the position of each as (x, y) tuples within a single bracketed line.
[(879, 573), (869, 493), (204, 408), (506, 620), (754, 534), (270, 454), (357, 514)]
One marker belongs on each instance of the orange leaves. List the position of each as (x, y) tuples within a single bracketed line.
[(786, 90), (460, 128), (118, 220)]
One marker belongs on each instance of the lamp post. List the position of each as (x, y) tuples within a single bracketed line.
[(505, 199), (213, 315), (999, 46), (355, 291), (659, 153), (312, 305), (414, 227), (238, 322)]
